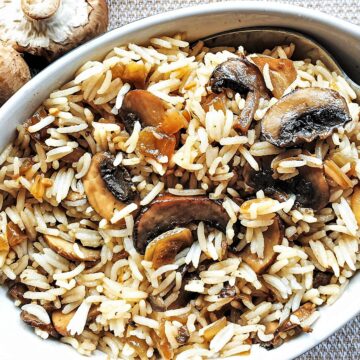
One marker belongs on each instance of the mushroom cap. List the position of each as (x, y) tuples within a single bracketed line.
[(14, 72), (304, 115), (107, 187), (74, 23), (167, 211)]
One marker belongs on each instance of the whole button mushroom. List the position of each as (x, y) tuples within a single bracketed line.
[(50, 28), (14, 72)]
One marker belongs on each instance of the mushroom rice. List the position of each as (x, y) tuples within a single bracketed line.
[(183, 202)]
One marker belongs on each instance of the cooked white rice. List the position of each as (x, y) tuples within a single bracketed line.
[(113, 301)]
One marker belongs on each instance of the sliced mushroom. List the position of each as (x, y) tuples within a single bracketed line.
[(303, 116), (34, 322), (167, 211), (321, 278), (150, 110), (74, 156), (134, 73), (272, 236), (310, 187), (17, 291), (66, 249), (61, 321), (53, 27), (108, 187), (14, 72), (282, 72), (163, 249), (242, 77)]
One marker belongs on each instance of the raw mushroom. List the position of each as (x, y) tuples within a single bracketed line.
[(163, 249), (14, 72), (34, 322), (50, 28), (149, 110), (243, 77), (272, 236), (282, 72), (303, 116), (167, 211), (108, 187), (66, 249)]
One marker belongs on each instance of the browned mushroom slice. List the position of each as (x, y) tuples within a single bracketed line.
[(14, 235), (310, 187), (108, 187), (134, 73), (272, 236), (245, 78), (66, 249), (163, 249), (74, 156), (17, 291), (34, 322), (150, 110), (167, 211), (61, 321), (282, 73), (303, 116)]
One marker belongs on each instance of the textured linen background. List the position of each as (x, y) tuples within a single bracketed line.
[(345, 344)]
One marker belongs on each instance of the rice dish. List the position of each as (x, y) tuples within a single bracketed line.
[(180, 202)]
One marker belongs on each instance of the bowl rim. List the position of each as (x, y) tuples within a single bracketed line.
[(177, 14)]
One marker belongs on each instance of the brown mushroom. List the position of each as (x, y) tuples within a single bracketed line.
[(167, 212), (163, 249), (282, 72), (243, 77), (61, 321), (108, 187), (34, 322), (143, 106), (66, 249), (17, 291), (321, 278), (272, 236), (53, 27), (14, 72), (303, 116), (310, 187)]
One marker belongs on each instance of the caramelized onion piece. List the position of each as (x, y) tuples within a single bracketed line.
[(134, 73), (282, 73), (211, 330), (156, 145), (14, 235), (163, 249), (355, 203), (272, 236), (150, 110), (167, 211), (303, 116)]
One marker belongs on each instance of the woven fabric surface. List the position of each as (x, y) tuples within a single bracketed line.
[(344, 344)]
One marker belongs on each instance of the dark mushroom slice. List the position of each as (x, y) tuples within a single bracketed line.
[(243, 77), (303, 116), (321, 278), (34, 322), (66, 249), (282, 72), (272, 236), (149, 110), (17, 291), (310, 187), (163, 249), (108, 187), (167, 211)]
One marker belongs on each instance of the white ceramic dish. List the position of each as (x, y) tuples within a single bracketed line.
[(16, 339)]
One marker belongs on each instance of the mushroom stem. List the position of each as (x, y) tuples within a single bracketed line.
[(39, 9)]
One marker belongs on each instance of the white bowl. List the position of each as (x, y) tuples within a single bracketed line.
[(342, 38)]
